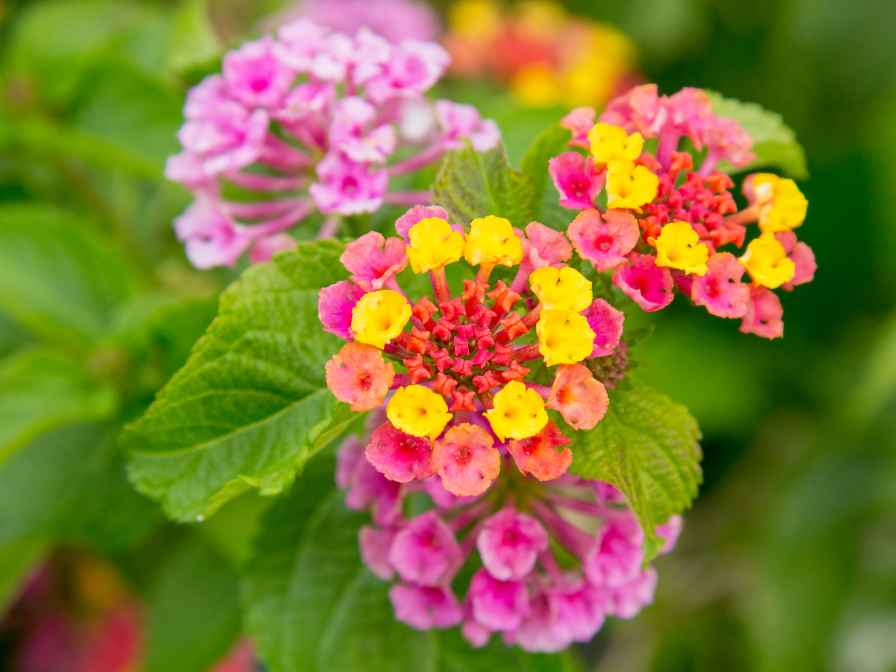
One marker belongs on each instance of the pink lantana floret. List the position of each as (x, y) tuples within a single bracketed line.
[(607, 324), (425, 551), (498, 605), (644, 282), (764, 314), (721, 290), (398, 456), (577, 179), (425, 607), (604, 239), (334, 307), (374, 260), (545, 246), (509, 544)]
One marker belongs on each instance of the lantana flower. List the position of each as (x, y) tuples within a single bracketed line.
[(669, 224), (468, 378), (550, 561), (310, 121)]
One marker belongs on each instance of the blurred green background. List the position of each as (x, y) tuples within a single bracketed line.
[(788, 561)]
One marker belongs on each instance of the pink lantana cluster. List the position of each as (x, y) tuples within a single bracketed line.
[(549, 561), (309, 121), (657, 222)]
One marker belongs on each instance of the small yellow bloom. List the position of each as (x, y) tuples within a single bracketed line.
[(564, 337), (767, 262), (418, 411), (782, 206), (433, 244), (518, 412), (492, 241), (379, 317), (678, 246), (542, 18), (537, 85), (479, 19), (611, 143), (630, 185), (561, 288)]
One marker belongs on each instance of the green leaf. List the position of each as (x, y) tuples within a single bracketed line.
[(472, 184), (194, 610), (58, 280), (42, 390), (647, 446), (250, 407), (17, 559), (550, 143), (70, 486), (313, 607), (194, 43), (774, 143)]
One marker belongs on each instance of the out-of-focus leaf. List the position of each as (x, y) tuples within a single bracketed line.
[(16, 560), (57, 280), (251, 406), (234, 527), (471, 184), (194, 609), (70, 485), (194, 42), (551, 142), (41, 390), (313, 607), (647, 446), (774, 143)]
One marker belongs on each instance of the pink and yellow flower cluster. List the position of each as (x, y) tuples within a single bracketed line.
[(657, 222), (468, 376), (545, 55), (310, 121)]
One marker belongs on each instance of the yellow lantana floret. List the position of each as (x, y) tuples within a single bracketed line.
[(561, 288), (630, 185), (767, 262), (379, 316), (479, 19), (418, 411), (433, 244), (537, 85), (611, 143), (564, 337), (492, 242), (782, 206), (518, 412), (678, 246)]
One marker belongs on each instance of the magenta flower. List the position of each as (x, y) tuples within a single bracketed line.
[(604, 240), (398, 456), (309, 121), (425, 551), (579, 122), (498, 605), (577, 179), (644, 282), (721, 291), (375, 545), (334, 307), (395, 20), (425, 607), (607, 323), (417, 214), (803, 259), (510, 543)]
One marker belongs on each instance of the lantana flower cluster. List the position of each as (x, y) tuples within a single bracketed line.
[(467, 376), (310, 121), (541, 565), (659, 219), (545, 55)]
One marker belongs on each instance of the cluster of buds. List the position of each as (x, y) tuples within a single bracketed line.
[(310, 121), (545, 55), (480, 368), (541, 564), (658, 222)]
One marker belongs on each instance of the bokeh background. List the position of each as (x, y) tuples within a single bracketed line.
[(788, 560)]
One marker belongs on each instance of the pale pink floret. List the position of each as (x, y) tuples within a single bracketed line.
[(639, 109), (398, 456), (300, 44), (476, 634), (364, 486), (579, 609), (211, 238), (578, 397), (255, 76), (375, 544), (350, 132), (347, 187), (546, 247), (689, 113), (720, 290), (764, 314), (579, 122), (426, 552), (458, 122), (607, 323), (577, 180), (727, 140), (395, 20), (803, 259), (498, 605), (417, 214), (627, 600), (411, 70), (540, 631), (616, 557), (358, 375), (334, 307), (604, 240), (644, 282), (509, 544), (374, 260), (305, 102), (266, 248), (230, 139), (669, 532), (466, 460), (425, 608)]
